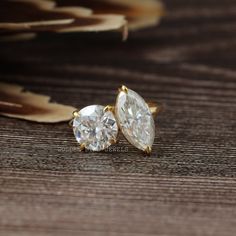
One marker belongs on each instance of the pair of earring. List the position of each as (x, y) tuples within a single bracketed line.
[(96, 127)]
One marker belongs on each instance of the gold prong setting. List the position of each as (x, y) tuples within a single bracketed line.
[(75, 113), (113, 141), (82, 147), (123, 89), (109, 108), (148, 150)]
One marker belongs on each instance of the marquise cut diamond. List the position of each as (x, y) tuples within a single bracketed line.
[(135, 119), (95, 128)]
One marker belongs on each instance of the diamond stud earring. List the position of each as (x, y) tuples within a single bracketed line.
[(135, 119), (95, 127)]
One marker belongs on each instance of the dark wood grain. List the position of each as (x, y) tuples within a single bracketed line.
[(186, 187)]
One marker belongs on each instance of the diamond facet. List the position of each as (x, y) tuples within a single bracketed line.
[(135, 119), (95, 128)]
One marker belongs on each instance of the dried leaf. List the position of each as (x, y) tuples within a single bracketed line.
[(24, 18), (35, 17), (83, 24), (14, 102), (139, 13), (22, 14)]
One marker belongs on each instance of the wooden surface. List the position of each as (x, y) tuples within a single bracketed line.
[(188, 185)]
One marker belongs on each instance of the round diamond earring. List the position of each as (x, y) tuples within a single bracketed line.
[(95, 127), (135, 119)]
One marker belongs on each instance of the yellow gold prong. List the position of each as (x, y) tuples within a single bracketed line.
[(109, 108), (154, 108), (148, 150), (113, 141), (123, 89), (82, 147), (75, 113)]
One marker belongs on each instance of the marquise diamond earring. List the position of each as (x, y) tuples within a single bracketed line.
[(135, 119)]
